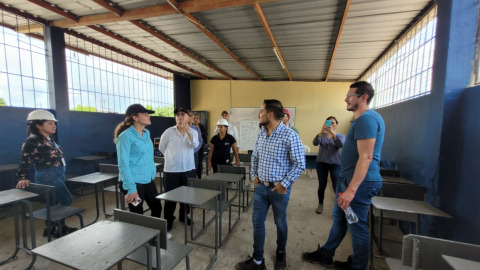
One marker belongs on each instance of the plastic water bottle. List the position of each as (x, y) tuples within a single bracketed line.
[(351, 217)]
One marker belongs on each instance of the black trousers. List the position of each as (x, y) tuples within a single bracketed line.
[(199, 164), (172, 181), (146, 192), (218, 162)]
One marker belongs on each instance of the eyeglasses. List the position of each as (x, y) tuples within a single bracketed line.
[(352, 95), (144, 114), (284, 115)]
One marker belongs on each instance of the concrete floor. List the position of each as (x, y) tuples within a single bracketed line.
[(306, 231)]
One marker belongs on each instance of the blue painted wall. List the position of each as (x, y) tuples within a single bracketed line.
[(433, 140), (89, 132)]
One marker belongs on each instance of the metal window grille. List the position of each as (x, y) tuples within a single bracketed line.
[(405, 71), (23, 65), (476, 67), (101, 80)]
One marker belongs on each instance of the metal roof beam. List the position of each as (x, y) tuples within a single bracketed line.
[(344, 18), (101, 44), (55, 9), (109, 6), (151, 31), (145, 50), (155, 11), (260, 14), (22, 13), (209, 34)]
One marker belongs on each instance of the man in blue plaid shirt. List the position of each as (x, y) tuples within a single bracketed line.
[(277, 161)]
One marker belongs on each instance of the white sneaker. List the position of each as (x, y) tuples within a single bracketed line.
[(169, 236)]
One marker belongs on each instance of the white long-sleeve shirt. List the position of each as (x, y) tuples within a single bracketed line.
[(232, 130), (178, 150)]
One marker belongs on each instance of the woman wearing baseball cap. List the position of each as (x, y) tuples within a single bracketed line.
[(220, 147), (135, 161), (47, 157)]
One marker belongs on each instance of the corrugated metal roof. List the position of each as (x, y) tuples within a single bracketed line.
[(305, 31)]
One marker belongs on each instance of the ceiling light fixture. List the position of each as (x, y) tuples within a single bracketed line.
[(275, 50)]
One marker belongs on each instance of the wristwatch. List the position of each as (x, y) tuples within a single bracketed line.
[(190, 132)]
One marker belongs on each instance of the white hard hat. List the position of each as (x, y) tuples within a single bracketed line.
[(222, 122), (41, 115)]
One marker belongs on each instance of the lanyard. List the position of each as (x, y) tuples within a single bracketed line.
[(52, 142)]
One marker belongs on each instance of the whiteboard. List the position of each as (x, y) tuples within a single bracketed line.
[(248, 134), (250, 117)]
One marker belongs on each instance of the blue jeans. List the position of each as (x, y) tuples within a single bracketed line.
[(55, 177), (322, 173), (359, 231), (264, 197)]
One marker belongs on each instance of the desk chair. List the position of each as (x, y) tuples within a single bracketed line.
[(113, 168), (52, 213), (210, 205), (421, 252), (246, 187), (171, 253), (104, 154), (400, 191)]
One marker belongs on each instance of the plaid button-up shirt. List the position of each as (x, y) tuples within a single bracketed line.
[(279, 157)]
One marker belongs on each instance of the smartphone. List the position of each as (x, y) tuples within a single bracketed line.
[(137, 201), (328, 123)]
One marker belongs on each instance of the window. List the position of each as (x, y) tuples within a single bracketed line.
[(23, 66), (101, 80), (405, 71)]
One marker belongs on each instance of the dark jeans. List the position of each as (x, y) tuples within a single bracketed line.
[(172, 181), (55, 177), (359, 231), (215, 163), (146, 192), (322, 173), (264, 197), (199, 163)]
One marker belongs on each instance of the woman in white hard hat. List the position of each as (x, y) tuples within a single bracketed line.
[(47, 158), (220, 147)]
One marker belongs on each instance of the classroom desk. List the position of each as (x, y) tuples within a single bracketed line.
[(100, 246), (195, 196), (400, 205), (397, 180), (16, 197), (94, 179), (13, 168), (310, 159), (232, 178), (461, 264), (91, 158)]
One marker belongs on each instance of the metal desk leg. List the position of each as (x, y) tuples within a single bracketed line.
[(17, 236), (96, 205), (381, 232), (32, 234), (417, 226), (159, 257), (103, 201), (372, 225), (116, 193), (149, 255), (185, 219)]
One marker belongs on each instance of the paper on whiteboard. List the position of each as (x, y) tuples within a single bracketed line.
[(248, 134)]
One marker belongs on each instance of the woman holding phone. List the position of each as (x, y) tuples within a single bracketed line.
[(328, 158), (135, 161), (47, 157)]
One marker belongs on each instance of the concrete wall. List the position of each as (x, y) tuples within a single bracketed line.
[(314, 101)]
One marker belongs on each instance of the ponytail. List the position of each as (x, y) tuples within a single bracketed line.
[(121, 127)]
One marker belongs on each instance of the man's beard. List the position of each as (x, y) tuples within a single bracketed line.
[(264, 124), (353, 107)]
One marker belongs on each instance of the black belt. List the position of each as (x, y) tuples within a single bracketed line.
[(268, 184)]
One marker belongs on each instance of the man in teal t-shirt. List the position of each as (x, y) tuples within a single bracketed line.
[(359, 181)]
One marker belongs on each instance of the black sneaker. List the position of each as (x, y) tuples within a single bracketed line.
[(251, 265), (344, 265), (189, 221), (52, 231), (281, 261), (320, 257), (65, 230)]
